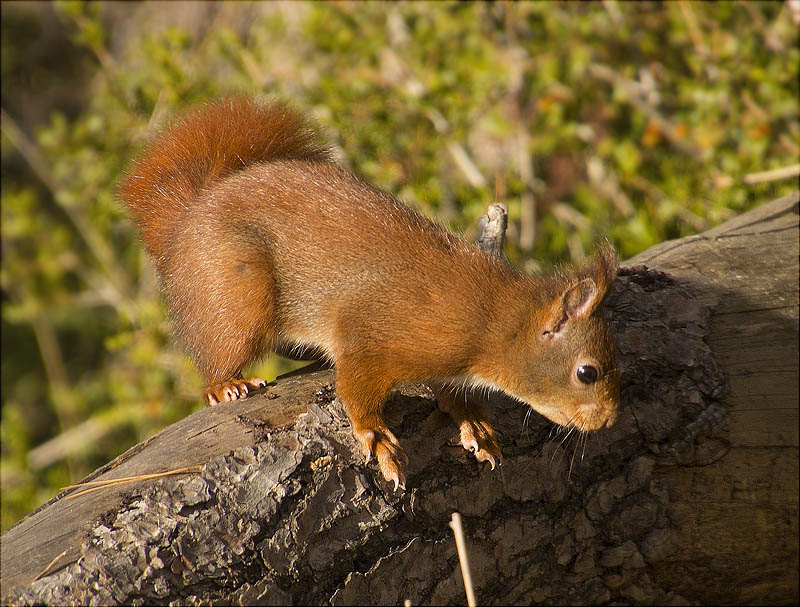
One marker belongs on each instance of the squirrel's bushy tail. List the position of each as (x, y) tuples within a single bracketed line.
[(208, 145)]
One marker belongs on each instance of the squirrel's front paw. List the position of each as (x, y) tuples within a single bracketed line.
[(478, 436), (476, 433), (233, 389), (384, 445)]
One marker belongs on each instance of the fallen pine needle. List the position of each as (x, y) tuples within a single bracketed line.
[(113, 482), (49, 566), (455, 525)]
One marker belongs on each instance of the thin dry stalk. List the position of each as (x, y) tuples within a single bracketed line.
[(458, 532)]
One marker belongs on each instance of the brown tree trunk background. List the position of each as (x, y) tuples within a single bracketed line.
[(692, 497)]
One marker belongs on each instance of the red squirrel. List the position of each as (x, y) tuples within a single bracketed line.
[(263, 243)]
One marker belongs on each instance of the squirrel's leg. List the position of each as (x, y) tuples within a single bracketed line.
[(364, 397), (230, 321), (477, 435)]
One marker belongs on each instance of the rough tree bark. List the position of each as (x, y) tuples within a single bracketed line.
[(691, 497)]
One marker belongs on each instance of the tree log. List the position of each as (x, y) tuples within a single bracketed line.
[(692, 497)]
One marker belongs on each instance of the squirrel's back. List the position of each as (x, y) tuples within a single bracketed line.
[(203, 148)]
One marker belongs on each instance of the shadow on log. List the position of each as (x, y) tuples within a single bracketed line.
[(691, 497)]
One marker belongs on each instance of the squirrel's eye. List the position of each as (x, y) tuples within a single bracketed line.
[(587, 374)]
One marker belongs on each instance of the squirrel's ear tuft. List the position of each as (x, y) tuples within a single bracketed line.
[(603, 267)]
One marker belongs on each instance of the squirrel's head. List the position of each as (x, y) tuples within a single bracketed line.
[(566, 366)]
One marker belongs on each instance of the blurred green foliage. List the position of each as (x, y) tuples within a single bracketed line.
[(633, 120)]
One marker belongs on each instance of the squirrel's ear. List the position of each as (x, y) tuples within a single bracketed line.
[(581, 299), (590, 285), (578, 301)]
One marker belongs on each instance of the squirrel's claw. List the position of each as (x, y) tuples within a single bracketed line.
[(484, 456), (399, 480), (367, 440)]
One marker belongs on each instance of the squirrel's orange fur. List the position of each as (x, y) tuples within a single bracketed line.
[(263, 243)]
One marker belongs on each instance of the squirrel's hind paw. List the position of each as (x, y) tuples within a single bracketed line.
[(232, 389)]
